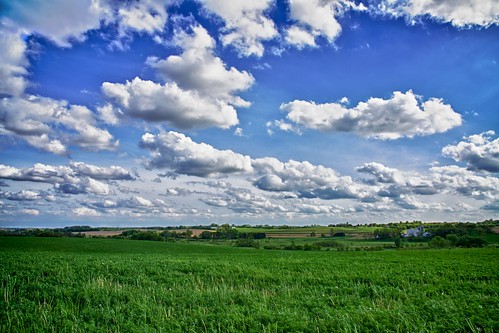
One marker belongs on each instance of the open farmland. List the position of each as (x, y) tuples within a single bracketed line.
[(111, 285)]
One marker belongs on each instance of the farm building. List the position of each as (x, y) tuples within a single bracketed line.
[(417, 232)]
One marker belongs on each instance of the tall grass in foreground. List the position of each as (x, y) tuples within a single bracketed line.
[(83, 285)]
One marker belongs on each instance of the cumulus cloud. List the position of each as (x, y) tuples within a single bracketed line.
[(147, 16), (466, 182), (23, 195), (74, 18), (403, 115), (198, 69), (113, 172), (383, 174), (13, 63), (132, 205), (301, 207), (243, 201), (176, 152), (84, 186), (85, 211), (109, 114), (177, 191), (38, 121), (38, 173), (395, 183), (30, 211), (136, 201), (77, 178), (410, 202), (316, 17), (199, 89), (479, 151), (305, 179), (300, 37), (402, 187), (460, 13), (246, 24), (169, 103)]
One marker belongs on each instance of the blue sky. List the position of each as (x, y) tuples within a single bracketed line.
[(162, 112)]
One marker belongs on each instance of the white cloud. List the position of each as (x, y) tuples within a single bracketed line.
[(30, 211), (317, 17), (13, 63), (169, 103), (23, 195), (400, 185), (243, 201), (383, 174), (176, 152), (137, 201), (113, 172), (479, 151), (198, 69), (307, 209), (38, 121), (90, 137), (300, 37), (147, 16), (403, 115), (85, 211), (84, 186), (109, 114), (246, 24), (394, 183), (460, 13), (410, 202), (74, 18), (305, 179), (238, 132), (177, 191), (133, 206), (283, 126), (77, 178), (466, 182), (38, 173)]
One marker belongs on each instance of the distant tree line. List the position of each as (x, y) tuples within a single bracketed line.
[(225, 232), (228, 232), (74, 232), (154, 235)]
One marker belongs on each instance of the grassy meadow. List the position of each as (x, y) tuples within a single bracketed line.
[(119, 285)]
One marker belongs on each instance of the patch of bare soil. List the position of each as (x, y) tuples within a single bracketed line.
[(195, 232)]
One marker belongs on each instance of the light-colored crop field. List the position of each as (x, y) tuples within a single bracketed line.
[(117, 285)]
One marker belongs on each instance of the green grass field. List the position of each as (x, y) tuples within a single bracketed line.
[(113, 285)]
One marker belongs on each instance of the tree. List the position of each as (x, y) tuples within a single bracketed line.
[(453, 239), (398, 242), (206, 235), (438, 242)]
